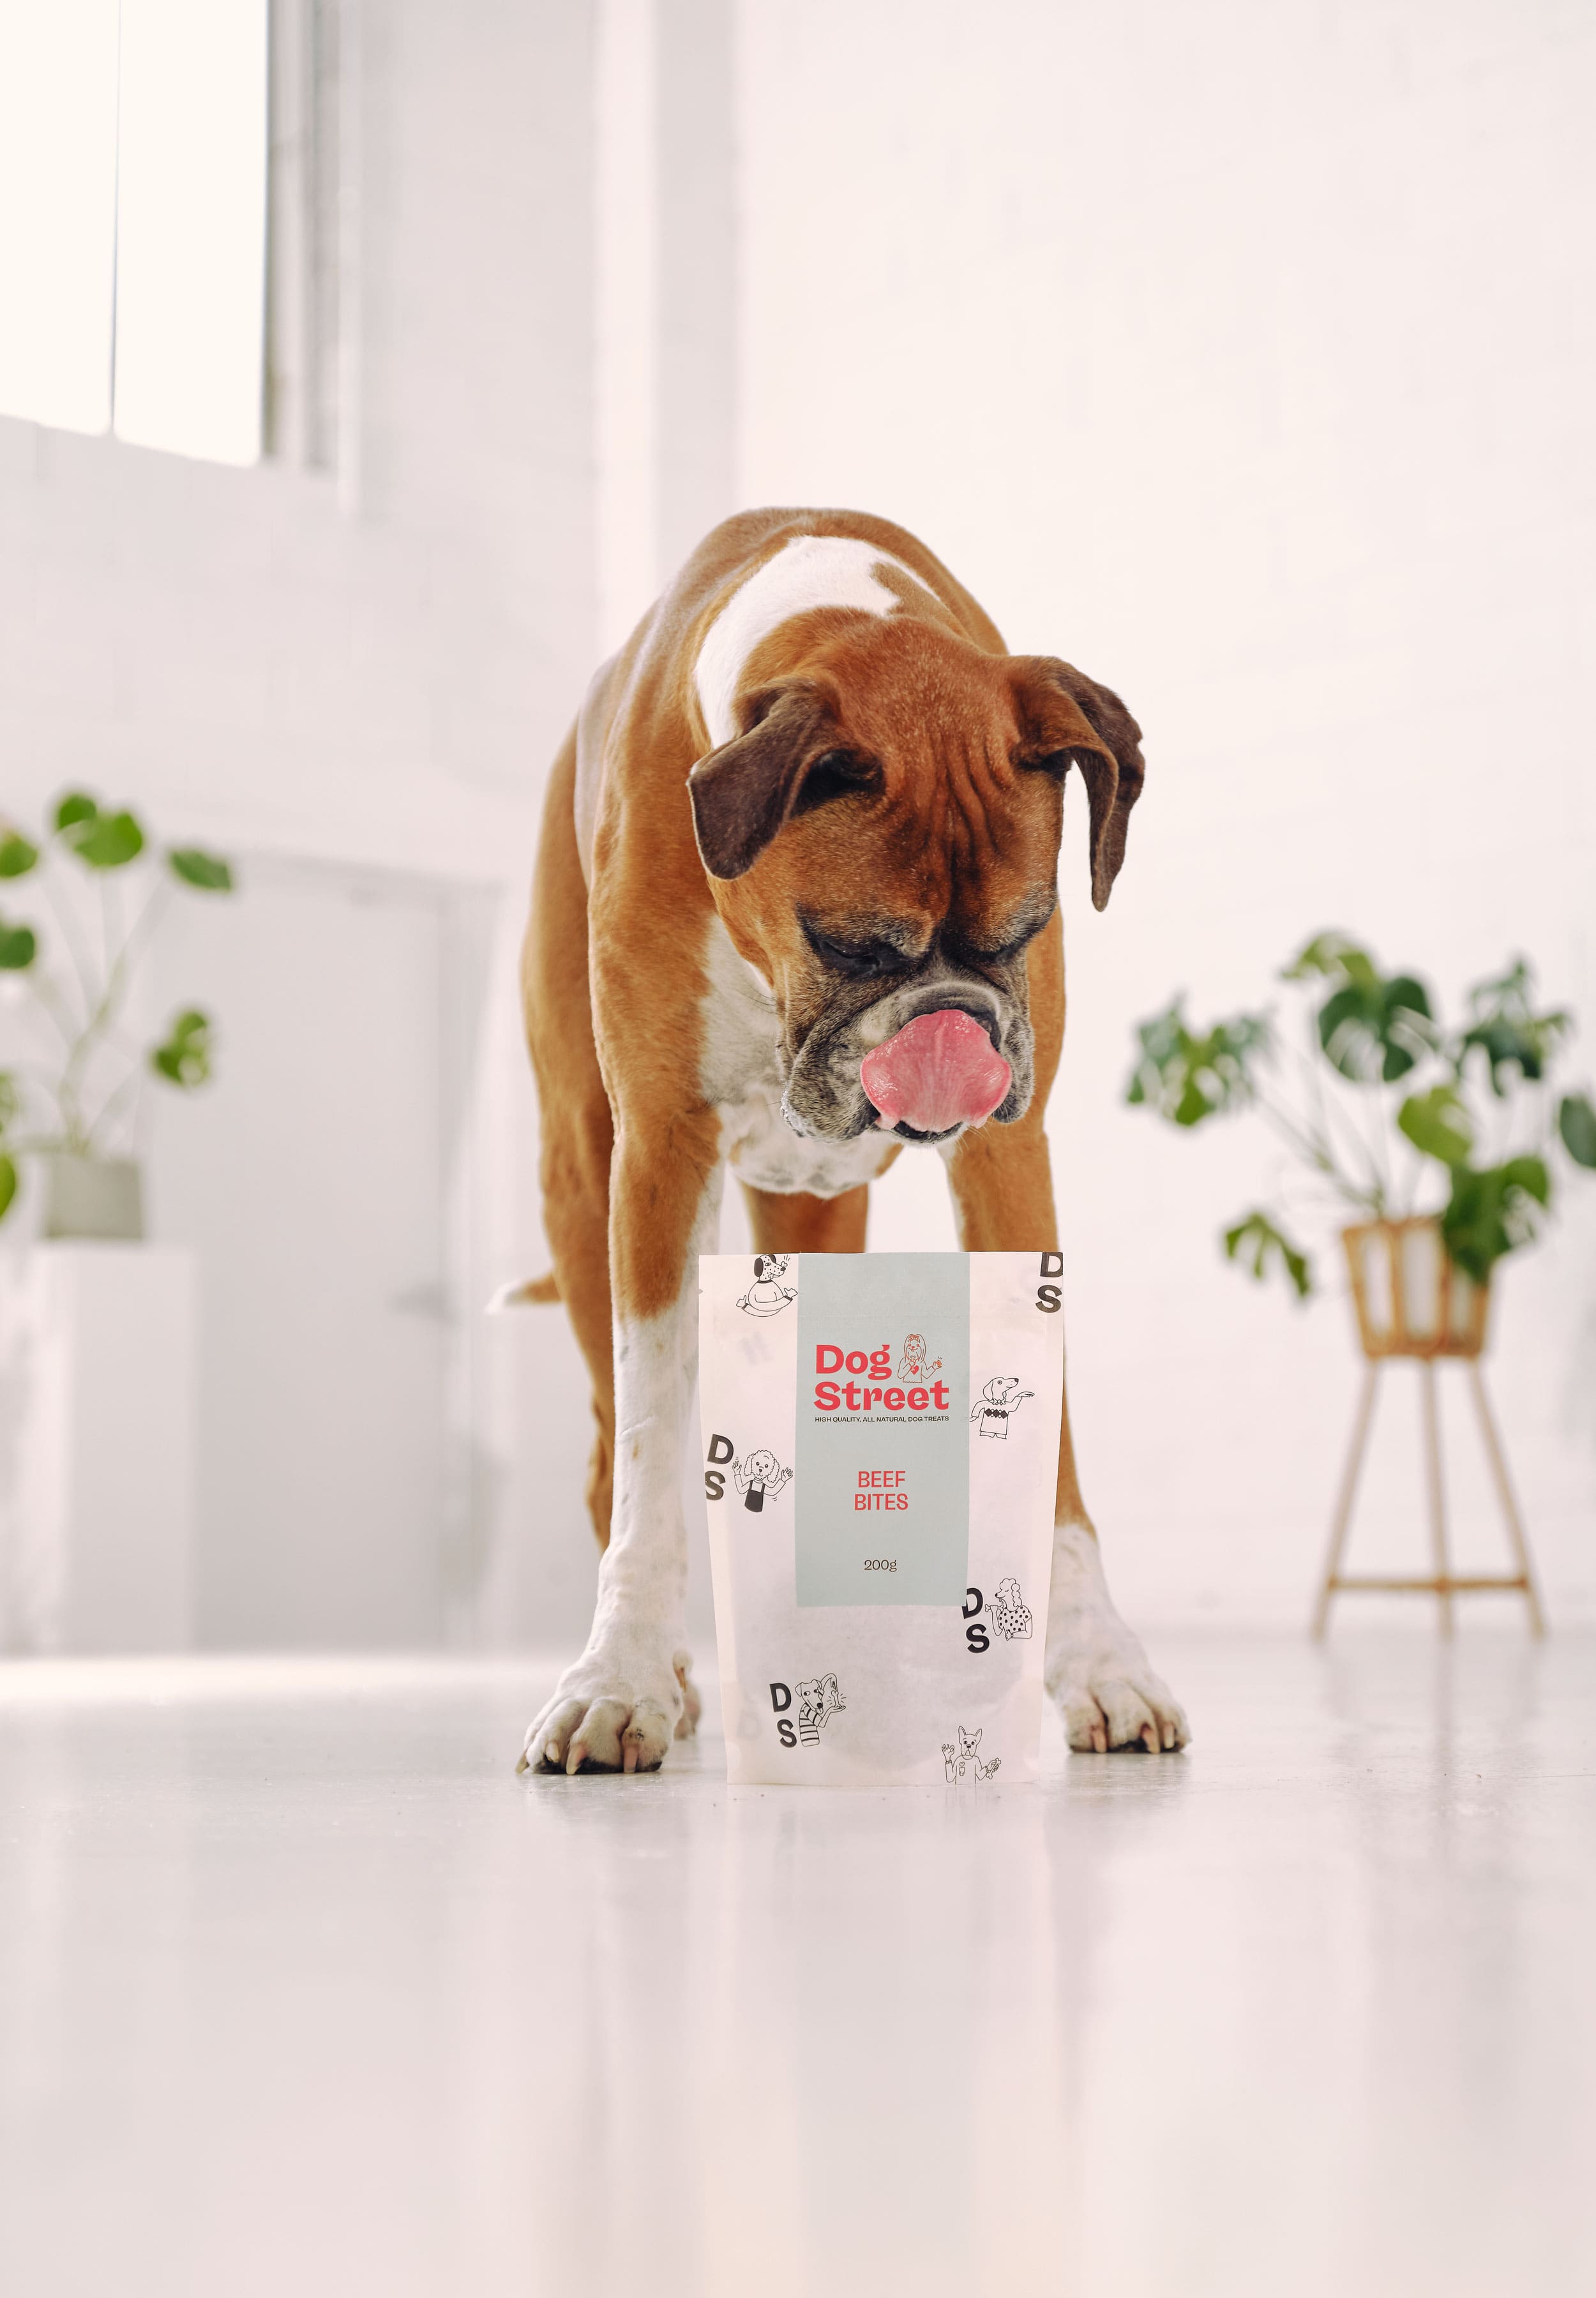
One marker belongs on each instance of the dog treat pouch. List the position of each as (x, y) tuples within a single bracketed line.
[(880, 1453)]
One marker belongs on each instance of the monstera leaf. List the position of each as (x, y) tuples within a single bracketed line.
[(1374, 1028), (1505, 1027), (1493, 1212), (1187, 1078), (1375, 1032), (1256, 1243), (1438, 1124)]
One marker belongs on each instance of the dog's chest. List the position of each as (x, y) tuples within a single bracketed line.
[(741, 1074)]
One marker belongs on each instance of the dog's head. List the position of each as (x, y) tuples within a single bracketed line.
[(768, 1266), (762, 1467), (1000, 1388), (969, 1741), (882, 837)]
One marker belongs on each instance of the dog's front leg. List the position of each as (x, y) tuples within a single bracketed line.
[(618, 1708), (1095, 1670)]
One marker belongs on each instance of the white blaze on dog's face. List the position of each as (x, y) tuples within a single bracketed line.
[(881, 830)]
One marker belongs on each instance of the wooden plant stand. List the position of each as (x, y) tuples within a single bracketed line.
[(1412, 1301)]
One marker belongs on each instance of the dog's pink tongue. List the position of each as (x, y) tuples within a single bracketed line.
[(938, 1071)]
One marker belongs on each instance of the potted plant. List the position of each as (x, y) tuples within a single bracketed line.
[(74, 1107), (1443, 1142)]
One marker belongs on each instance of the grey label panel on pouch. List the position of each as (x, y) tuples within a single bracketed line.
[(882, 1459)]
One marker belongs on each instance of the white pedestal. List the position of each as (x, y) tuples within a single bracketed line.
[(97, 1366)]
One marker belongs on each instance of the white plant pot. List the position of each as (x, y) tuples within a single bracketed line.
[(93, 1197)]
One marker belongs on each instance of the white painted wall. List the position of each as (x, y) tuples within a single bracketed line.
[(1243, 356), (368, 666), (1240, 354)]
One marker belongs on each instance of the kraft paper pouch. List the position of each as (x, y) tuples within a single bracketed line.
[(880, 1448)]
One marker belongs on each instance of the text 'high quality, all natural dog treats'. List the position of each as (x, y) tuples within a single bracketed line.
[(880, 1448)]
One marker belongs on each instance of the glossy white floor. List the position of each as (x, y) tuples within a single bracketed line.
[(301, 1990)]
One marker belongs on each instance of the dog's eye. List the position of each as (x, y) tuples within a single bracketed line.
[(838, 774), (861, 961)]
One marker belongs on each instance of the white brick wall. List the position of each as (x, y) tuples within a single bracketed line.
[(1243, 355)]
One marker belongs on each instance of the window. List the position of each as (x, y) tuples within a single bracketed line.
[(133, 159)]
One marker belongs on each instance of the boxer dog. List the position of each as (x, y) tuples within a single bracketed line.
[(794, 905)]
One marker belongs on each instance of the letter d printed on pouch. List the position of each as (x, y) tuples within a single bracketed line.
[(881, 1454)]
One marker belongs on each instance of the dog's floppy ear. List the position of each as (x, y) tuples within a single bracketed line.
[(743, 792), (1067, 719)]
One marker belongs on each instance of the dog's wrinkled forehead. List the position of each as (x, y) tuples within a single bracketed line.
[(895, 740)]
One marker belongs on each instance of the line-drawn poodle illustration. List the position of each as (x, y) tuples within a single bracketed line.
[(1010, 1614), (996, 1404), (766, 1297), (957, 1761), (817, 1702), (760, 1478), (915, 1366)]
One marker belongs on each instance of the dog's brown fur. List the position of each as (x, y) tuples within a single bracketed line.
[(617, 962), (893, 775)]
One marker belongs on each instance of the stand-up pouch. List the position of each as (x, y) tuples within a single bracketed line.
[(880, 1449)]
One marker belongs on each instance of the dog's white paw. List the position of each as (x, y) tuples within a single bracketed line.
[(1096, 1670), (605, 1717)]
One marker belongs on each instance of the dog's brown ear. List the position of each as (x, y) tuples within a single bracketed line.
[(743, 792), (1067, 719)]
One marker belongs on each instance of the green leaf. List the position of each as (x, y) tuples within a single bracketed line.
[(19, 947), (208, 871), (1187, 1078), (1255, 1242), (77, 806), (8, 1185), (1576, 1123), (184, 1058), (1493, 1212), (1375, 1031), (1333, 955), (17, 855), (1505, 1027), (1438, 1124), (108, 842)]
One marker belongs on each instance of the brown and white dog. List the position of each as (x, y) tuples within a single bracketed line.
[(796, 904)]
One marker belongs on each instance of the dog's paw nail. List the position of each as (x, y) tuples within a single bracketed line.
[(575, 1760)]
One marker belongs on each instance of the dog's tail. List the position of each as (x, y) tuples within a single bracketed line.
[(535, 1293)]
